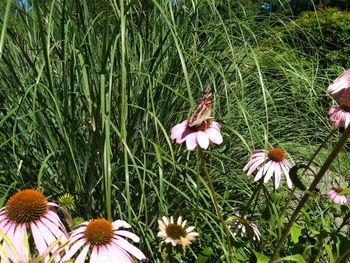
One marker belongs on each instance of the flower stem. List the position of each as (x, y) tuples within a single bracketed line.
[(338, 147), (215, 202), (291, 194)]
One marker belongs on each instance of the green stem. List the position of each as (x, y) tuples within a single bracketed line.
[(338, 147), (290, 196), (215, 202)]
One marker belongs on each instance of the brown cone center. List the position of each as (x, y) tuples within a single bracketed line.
[(276, 154), (175, 231), (99, 232), (26, 206)]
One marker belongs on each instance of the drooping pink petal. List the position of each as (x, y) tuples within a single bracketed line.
[(177, 130), (76, 246), (80, 229), (255, 164), (38, 238), (83, 254), (215, 125), (46, 234), (94, 254), (262, 171), (53, 217), (277, 175), (269, 171), (120, 223), (202, 139), (54, 229), (214, 135), (18, 241), (286, 174), (130, 248), (191, 141), (128, 234), (120, 254), (180, 131)]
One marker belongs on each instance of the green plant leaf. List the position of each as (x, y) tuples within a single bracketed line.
[(204, 255), (293, 173), (295, 233), (261, 258), (297, 258)]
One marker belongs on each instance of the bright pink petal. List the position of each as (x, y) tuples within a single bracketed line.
[(277, 175), (83, 254), (262, 171), (255, 164), (285, 170), (120, 223), (215, 126), (178, 130), (18, 241), (191, 141), (214, 135), (128, 234), (94, 255), (71, 251), (38, 238), (269, 171), (119, 254), (130, 248), (202, 139)]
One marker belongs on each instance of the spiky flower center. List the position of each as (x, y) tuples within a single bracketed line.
[(338, 190), (26, 206), (276, 154), (99, 232), (175, 231)]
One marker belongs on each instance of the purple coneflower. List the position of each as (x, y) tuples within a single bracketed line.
[(242, 225), (339, 116), (339, 89), (29, 210), (205, 134), (105, 241), (273, 162), (176, 233), (336, 196)]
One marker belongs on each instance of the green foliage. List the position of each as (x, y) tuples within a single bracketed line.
[(89, 92), (324, 33)]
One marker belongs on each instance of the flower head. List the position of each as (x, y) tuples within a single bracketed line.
[(29, 210), (336, 196), (205, 134), (175, 233), (244, 227), (104, 240), (272, 162), (339, 116), (340, 89)]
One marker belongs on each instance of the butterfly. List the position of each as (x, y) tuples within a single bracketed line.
[(202, 112)]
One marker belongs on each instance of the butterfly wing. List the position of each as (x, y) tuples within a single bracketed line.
[(203, 110)]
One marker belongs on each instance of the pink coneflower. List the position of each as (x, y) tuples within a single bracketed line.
[(176, 233), (244, 227), (105, 241), (205, 134), (340, 89), (29, 210), (274, 161), (336, 196), (339, 116)]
